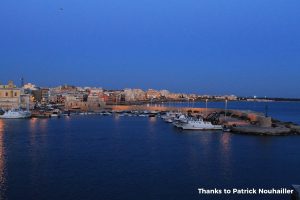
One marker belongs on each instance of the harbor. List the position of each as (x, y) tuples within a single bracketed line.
[(235, 121)]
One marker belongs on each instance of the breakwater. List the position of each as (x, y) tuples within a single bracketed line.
[(240, 121), (250, 115)]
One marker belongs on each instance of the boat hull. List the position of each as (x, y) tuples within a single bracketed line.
[(186, 127), (23, 116)]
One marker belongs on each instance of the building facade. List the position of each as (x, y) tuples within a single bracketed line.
[(9, 96)]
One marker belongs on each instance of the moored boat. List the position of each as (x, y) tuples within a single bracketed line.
[(15, 114), (198, 124), (56, 113)]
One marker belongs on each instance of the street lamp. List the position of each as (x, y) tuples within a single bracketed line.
[(206, 100), (226, 108), (193, 103)]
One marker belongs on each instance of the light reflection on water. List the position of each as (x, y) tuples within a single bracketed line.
[(225, 141), (2, 161)]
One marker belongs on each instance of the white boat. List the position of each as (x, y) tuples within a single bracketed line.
[(56, 113), (143, 115), (181, 118), (106, 114), (15, 114), (169, 117), (169, 120), (198, 124)]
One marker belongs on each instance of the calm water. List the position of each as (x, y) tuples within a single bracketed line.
[(97, 157)]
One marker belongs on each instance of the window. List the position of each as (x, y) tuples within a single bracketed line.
[(6, 94), (15, 94)]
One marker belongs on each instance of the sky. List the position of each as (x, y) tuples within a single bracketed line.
[(236, 47)]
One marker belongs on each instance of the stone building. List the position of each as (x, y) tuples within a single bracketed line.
[(132, 95), (41, 95), (94, 102), (75, 102), (153, 94), (9, 96)]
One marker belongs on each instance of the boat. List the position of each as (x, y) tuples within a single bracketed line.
[(56, 113), (181, 118), (15, 114), (169, 120), (198, 124), (152, 115), (106, 113), (169, 117)]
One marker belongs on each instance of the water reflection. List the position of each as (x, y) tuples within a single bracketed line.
[(152, 119), (38, 130), (117, 117), (2, 161), (32, 125), (152, 124), (225, 143), (152, 127), (32, 129), (43, 125)]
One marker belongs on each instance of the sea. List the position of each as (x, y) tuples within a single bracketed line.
[(120, 157)]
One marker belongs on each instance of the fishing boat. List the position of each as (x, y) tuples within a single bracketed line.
[(198, 124)]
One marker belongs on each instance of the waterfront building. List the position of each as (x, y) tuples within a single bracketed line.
[(75, 102), (9, 96), (95, 100), (153, 94), (30, 87), (114, 96), (228, 97), (41, 95), (165, 93), (132, 95)]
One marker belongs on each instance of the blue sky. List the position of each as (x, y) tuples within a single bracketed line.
[(201, 46)]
